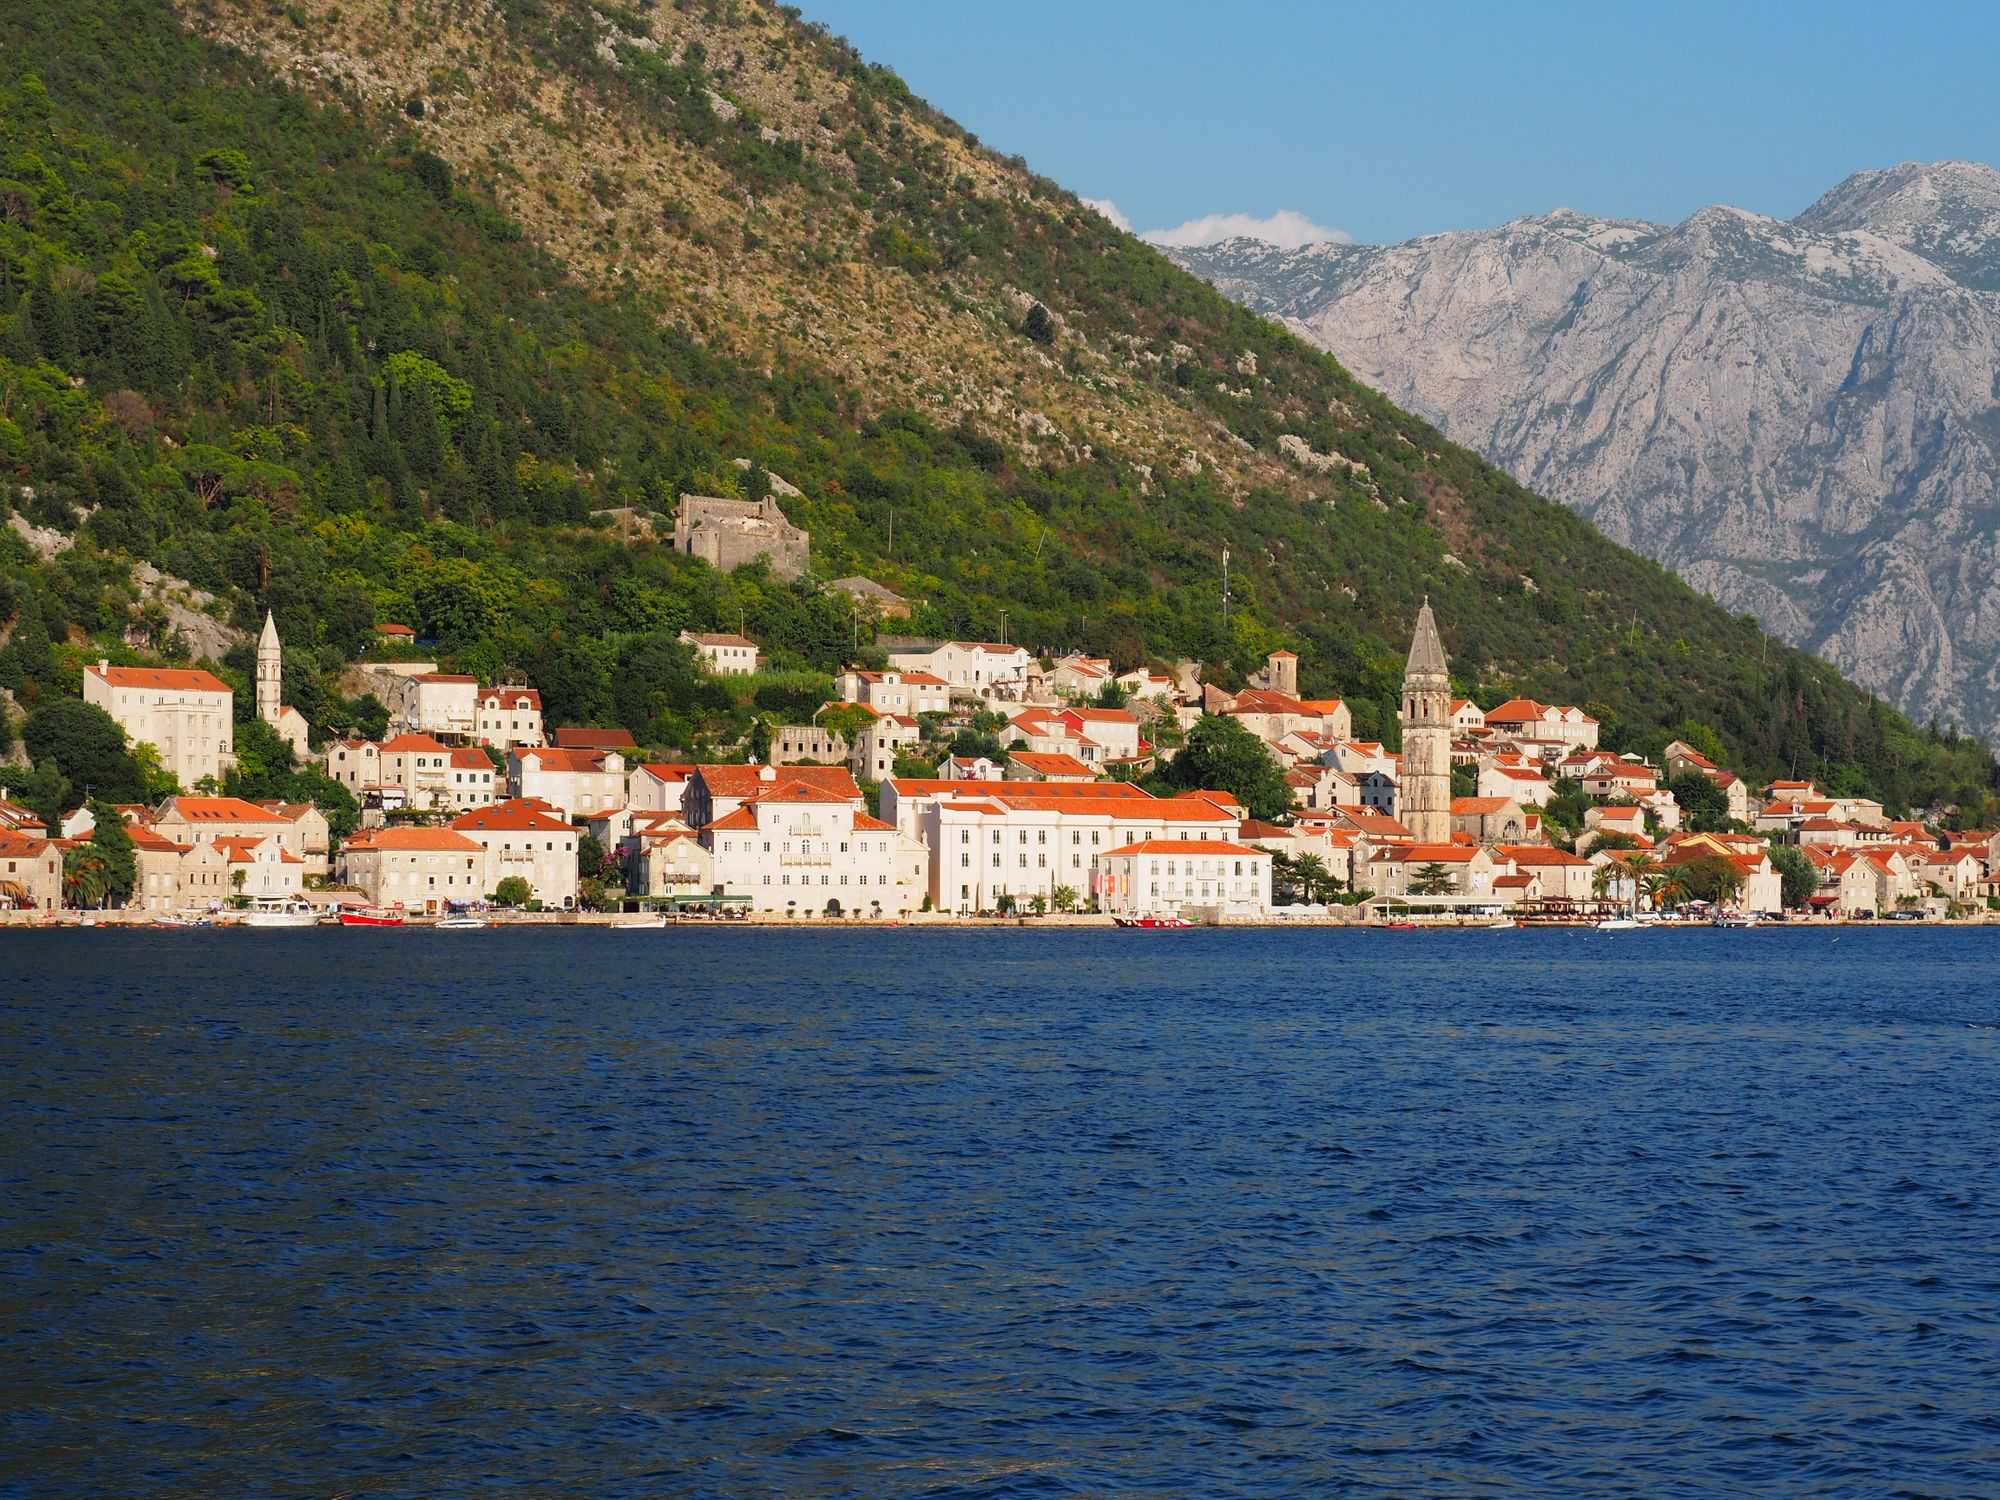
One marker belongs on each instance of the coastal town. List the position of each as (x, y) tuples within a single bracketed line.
[(966, 779)]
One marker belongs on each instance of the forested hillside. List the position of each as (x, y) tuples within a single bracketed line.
[(423, 319)]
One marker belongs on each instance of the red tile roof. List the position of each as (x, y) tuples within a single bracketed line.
[(520, 815), (1051, 764), (167, 679), (414, 744), (223, 810), (748, 781), (436, 840), (1189, 846)]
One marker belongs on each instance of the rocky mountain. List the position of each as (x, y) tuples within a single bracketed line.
[(1801, 417)]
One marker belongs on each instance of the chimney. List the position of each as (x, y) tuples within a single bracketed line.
[(104, 664)]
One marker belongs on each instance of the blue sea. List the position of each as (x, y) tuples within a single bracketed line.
[(885, 1213)]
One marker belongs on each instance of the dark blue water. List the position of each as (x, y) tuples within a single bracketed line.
[(898, 1213)]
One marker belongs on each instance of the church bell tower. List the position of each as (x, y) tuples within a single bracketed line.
[(1423, 793)]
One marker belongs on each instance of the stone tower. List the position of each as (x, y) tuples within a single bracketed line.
[(270, 673), (1281, 673), (1424, 791)]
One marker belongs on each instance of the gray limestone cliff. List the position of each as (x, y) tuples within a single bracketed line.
[(1801, 417)]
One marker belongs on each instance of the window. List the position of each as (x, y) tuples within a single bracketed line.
[(1041, 835), (1041, 861), (964, 860), (1076, 836), (1024, 835), (996, 861), (843, 846), (965, 835)]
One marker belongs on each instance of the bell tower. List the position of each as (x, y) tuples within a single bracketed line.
[(270, 672), (1423, 793)]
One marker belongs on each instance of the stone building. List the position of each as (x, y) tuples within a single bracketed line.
[(729, 533), (271, 707), (185, 715), (1424, 788)]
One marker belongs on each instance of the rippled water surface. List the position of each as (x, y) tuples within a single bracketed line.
[(895, 1213)]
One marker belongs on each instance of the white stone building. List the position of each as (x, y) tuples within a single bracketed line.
[(573, 782), (724, 655), (910, 693), (423, 869), (974, 666), (1171, 877), (445, 704), (795, 846), (525, 838), (1021, 839), (185, 715), (508, 716)]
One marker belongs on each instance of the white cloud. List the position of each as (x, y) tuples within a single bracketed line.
[(1110, 211), (1287, 229)]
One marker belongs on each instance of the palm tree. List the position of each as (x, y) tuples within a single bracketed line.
[(86, 877), (1673, 887), (1063, 898), (1309, 871)]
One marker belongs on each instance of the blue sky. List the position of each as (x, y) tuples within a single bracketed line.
[(1388, 121)]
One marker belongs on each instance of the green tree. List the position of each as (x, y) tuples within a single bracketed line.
[(1431, 880), (1311, 876), (1798, 873), (1703, 739), (1039, 326), (27, 656), (1221, 755), (1710, 878), (590, 857), (513, 891), (1704, 805), (86, 879), (846, 720), (112, 843), (88, 744), (1063, 898)]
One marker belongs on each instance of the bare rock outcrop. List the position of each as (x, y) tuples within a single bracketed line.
[(1802, 417)]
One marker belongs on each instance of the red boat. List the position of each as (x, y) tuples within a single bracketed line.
[(1152, 922), (372, 916)]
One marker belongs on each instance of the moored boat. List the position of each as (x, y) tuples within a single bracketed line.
[(1151, 922), (1619, 924), (462, 921), (272, 911), (372, 916)]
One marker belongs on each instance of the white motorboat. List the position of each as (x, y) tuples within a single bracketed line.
[(273, 911), (463, 921), (1619, 924)]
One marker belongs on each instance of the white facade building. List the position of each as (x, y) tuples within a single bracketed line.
[(573, 782), (724, 655), (525, 838), (185, 715), (1168, 877), (437, 703), (509, 716), (1021, 839), (796, 847), (910, 693)]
